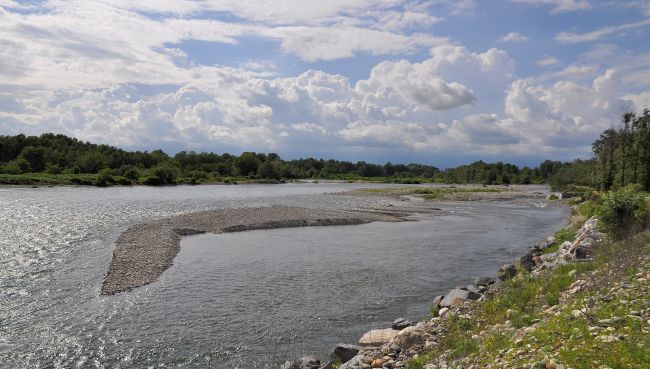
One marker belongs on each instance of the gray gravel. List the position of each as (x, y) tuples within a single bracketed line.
[(143, 252)]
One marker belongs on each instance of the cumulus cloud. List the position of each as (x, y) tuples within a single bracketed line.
[(115, 72), (97, 43), (639, 102), (400, 104), (513, 37), (566, 114)]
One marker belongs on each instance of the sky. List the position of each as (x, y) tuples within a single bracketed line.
[(440, 82)]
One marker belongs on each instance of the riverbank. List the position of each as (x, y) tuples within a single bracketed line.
[(107, 180), (575, 301)]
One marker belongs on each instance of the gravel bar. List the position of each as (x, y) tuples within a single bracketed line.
[(144, 251)]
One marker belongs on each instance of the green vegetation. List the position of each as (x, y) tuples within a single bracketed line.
[(52, 159), (624, 211), (567, 233), (544, 320), (583, 315), (620, 157), (434, 193)]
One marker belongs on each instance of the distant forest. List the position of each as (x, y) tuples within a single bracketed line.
[(620, 156)]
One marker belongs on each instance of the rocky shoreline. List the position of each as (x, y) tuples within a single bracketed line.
[(393, 347)]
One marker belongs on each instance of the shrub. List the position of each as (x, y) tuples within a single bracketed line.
[(104, 177), (53, 169), (128, 171), (161, 175), (623, 212), (268, 170)]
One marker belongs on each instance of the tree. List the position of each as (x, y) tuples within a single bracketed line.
[(35, 156), (268, 170), (91, 162), (247, 163)]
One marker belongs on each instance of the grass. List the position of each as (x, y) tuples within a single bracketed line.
[(43, 179), (513, 329), (564, 234), (87, 179), (434, 193)]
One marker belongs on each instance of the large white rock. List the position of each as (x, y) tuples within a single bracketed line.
[(409, 337), (378, 337)]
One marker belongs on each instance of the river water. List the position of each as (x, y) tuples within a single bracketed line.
[(242, 300)]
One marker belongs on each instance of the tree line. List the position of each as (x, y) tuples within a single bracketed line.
[(620, 156)]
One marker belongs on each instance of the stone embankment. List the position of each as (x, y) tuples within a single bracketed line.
[(393, 347)]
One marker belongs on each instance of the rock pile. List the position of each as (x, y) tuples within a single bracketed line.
[(580, 248)]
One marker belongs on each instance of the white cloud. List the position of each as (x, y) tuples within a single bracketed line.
[(457, 7), (639, 101), (547, 61), (399, 105), (513, 37), (568, 38), (643, 5), (565, 115), (559, 6), (320, 43), (88, 44)]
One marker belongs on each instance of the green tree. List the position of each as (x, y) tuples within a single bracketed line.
[(35, 156), (247, 163), (268, 170)]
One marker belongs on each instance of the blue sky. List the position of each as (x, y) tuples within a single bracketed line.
[(432, 81)]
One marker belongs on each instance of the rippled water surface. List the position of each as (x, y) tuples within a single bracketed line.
[(241, 300)]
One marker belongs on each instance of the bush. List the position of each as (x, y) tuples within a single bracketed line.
[(623, 212), (104, 177), (53, 169), (161, 175), (128, 171), (268, 170)]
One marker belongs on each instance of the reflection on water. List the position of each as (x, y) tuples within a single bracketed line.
[(244, 300)]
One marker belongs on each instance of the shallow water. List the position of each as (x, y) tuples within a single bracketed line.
[(241, 300)]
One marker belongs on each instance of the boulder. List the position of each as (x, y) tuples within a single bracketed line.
[(378, 337), (506, 271), (457, 297), (401, 323), (409, 338), (442, 312), (345, 352), (305, 362), (437, 300), (525, 262), (354, 363), (484, 281), (329, 365)]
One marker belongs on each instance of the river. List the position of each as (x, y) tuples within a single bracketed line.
[(240, 300)]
